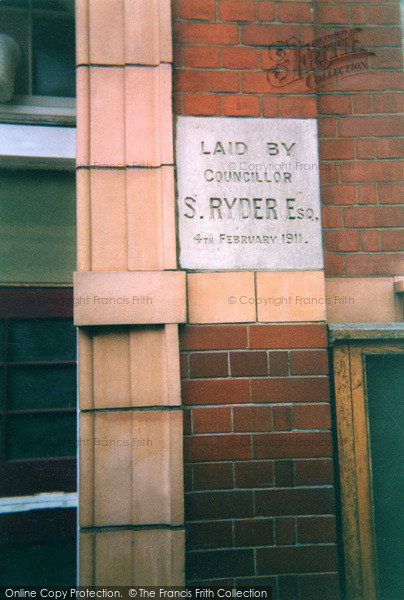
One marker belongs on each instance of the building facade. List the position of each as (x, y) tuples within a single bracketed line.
[(232, 419)]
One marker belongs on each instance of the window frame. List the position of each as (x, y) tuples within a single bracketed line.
[(354, 453)]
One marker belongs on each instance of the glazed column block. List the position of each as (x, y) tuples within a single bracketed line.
[(129, 298)]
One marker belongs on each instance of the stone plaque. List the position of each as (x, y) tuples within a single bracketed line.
[(248, 194)]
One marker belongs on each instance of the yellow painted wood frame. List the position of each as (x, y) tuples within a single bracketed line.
[(355, 464)]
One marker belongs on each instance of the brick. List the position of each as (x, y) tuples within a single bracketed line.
[(384, 14), (177, 104), (208, 364), (219, 563), (210, 534), (270, 106), (218, 505), (213, 337), (333, 264), (364, 148), (202, 104), (387, 58), (265, 35), (370, 126), (362, 103), (285, 531), (339, 149), (282, 418), (254, 532), (295, 12), (212, 419), (177, 55), (327, 127), (201, 56), (331, 217), (298, 107), (284, 473), (389, 148), (248, 363), (288, 336), (316, 529), (213, 476), (266, 11), (198, 9), (252, 418), (309, 362), (312, 416), (297, 559), (314, 472), (184, 368), (387, 102), (254, 82), (338, 194), (278, 364), (391, 193), (254, 474), (372, 37), (241, 106), (219, 391), (367, 194), (319, 587), (333, 104), (332, 14), (329, 172), (373, 216), (290, 389), (236, 10), (240, 57), (291, 502), (357, 14), (217, 447), (370, 240), (288, 587), (374, 264), (392, 239), (291, 445), (188, 478), (381, 79), (342, 241), (187, 417), (188, 80), (205, 33)]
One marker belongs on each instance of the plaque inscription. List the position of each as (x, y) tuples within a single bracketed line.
[(248, 193)]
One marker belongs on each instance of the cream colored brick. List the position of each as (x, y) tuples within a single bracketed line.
[(83, 220), (111, 358), (107, 36), (83, 116), (290, 296), (148, 32), (159, 557), (360, 300), (151, 241), (107, 117), (108, 220), (221, 297), (130, 297), (113, 558), (148, 116)]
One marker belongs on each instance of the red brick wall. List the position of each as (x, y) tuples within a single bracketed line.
[(258, 458), (221, 58)]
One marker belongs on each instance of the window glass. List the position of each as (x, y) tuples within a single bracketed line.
[(385, 387), (37, 226), (40, 435), (41, 340), (34, 387)]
